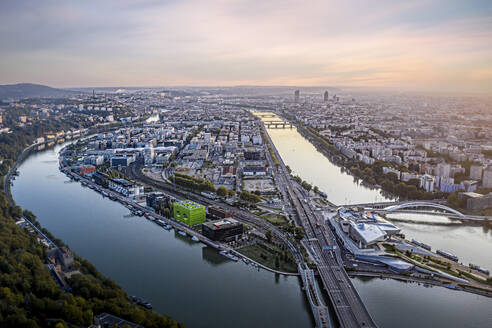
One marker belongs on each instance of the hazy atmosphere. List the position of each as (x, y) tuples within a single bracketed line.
[(424, 45)]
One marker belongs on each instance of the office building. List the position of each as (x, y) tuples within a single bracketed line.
[(325, 96), (189, 212), (222, 230), (122, 160)]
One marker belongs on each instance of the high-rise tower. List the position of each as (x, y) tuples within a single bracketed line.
[(296, 96)]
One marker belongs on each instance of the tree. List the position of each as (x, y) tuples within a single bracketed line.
[(249, 197), (391, 176), (299, 233), (16, 211), (222, 191), (367, 172), (454, 201), (387, 185), (269, 235)]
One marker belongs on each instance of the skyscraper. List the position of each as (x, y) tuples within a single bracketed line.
[(296, 96), (325, 96)]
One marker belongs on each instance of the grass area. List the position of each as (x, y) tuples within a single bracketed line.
[(444, 269), (267, 255), (475, 277), (260, 212), (485, 212), (270, 207), (275, 219)]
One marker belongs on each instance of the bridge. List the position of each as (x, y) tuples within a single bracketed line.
[(278, 124), (265, 115), (387, 204), (395, 208), (415, 207)]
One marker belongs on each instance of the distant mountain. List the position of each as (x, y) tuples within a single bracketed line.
[(30, 90)]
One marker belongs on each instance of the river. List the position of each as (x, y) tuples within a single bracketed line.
[(185, 280), (195, 285), (392, 303)]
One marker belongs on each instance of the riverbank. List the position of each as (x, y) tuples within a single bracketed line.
[(85, 275), (181, 278)]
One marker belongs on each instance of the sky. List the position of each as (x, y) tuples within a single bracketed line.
[(422, 45)]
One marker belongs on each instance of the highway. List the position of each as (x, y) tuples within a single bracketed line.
[(349, 308)]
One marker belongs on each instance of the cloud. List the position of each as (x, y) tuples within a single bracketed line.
[(425, 44)]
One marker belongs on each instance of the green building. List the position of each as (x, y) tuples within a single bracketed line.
[(189, 212)]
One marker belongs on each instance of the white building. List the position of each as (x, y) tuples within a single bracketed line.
[(476, 172), (487, 177), (427, 182), (257, 139), (148, 154), (443, 170)]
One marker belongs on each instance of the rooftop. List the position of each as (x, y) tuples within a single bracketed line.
[(220, 224), (189, 204), (370, 233)]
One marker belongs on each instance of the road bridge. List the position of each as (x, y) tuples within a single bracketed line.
[(416, 207), (278, 124), (445, 208), (265, 115), (386, 204)]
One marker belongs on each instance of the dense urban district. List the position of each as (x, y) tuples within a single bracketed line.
[(201, 161)]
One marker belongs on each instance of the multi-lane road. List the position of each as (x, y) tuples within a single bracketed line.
[(349, 308)]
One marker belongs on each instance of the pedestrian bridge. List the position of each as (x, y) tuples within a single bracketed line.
[(402, 206)]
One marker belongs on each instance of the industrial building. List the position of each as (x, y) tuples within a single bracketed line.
[(189, 212), (218, 213), (222, 230)]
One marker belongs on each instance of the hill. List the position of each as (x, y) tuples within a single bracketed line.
[(30, 90)]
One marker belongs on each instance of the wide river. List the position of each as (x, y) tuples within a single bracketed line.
[(195, 285)]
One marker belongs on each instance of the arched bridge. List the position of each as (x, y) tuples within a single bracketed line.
[(395, 208)]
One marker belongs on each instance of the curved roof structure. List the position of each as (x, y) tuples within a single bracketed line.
[(423, 204)]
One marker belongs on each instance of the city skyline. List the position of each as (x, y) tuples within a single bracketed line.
[(420, 46)]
